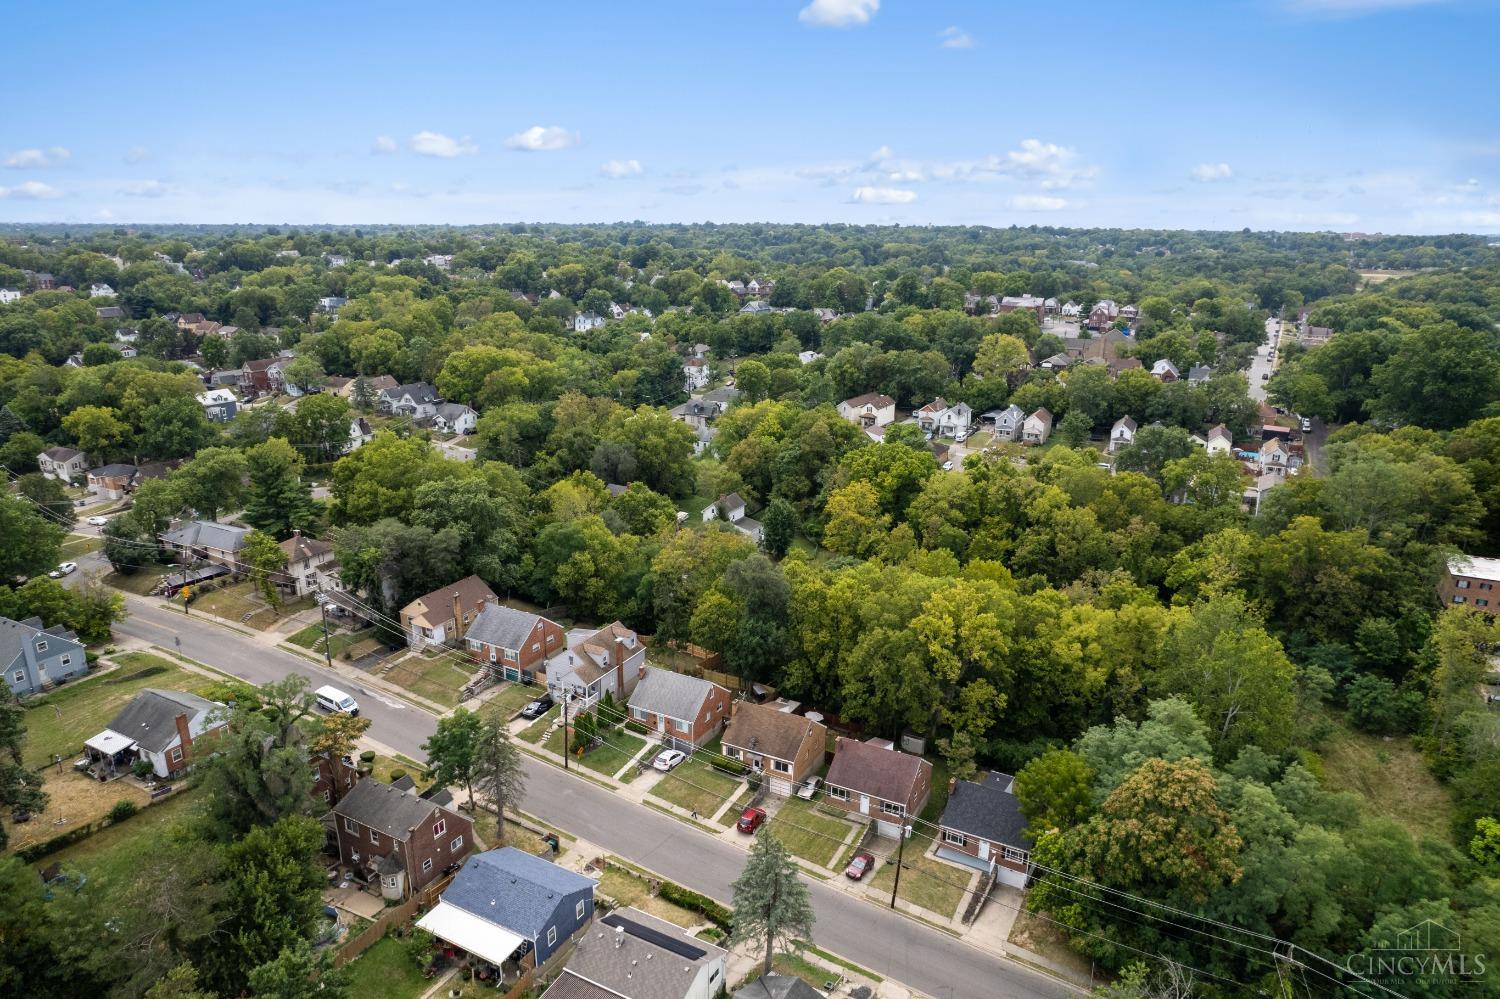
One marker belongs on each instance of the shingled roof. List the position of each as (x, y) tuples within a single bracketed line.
[(502, 626), (886, 774), (769, 732), (673, 695), (512, 888), (150, 719), (988, 810), (385, 808)]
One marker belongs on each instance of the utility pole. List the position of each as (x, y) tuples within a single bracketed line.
[(327, 651), (900, 850), (565, 728)]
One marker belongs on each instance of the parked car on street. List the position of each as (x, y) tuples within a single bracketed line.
[(63, 570), (97, 521), (667, 759), (862, 864), (538, 707), (751, 819)]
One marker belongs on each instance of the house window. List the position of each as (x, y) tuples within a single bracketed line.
[(578, 909), (639, 714), (536, 647), (67, 660), (551, 935), (1463, 584), (891, 808), (349, 826), (41, 646), (683, 726), (439, 827), (20, 676), (176, 754), (1481, 602), (781, 766), (838, 794), (457, 844), (733, 752), (426, 865), (325, 795), (374, 837), (475, 645), (1458, 600), (1015, 856), (954, 838), (1486, 586)]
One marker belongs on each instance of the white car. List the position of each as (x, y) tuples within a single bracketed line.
[(97, 521), (63, 570), (947, 466), (667, 759)]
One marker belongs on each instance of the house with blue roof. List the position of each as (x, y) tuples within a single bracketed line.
[(507, 903)]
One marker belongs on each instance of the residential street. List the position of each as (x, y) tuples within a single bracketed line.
[(1261, 364), (885, 942)]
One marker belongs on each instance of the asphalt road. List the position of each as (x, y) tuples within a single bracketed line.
[(885, 942), (1261, 363)]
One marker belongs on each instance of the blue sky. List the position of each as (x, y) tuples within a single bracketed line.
[(1373, 115)]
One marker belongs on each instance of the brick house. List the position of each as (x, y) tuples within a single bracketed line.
[(398, 836), (877, 780), (515, 643), (160, 727), (983, 827), (332, 777), (786, 747), (1471, 580), (443, 615), (684, 711)]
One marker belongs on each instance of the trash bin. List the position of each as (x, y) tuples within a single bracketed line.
[(551, 840)]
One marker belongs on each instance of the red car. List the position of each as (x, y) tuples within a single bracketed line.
[(862, 864), (750, 820)]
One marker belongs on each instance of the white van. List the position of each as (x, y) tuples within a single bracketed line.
[(335, 701)]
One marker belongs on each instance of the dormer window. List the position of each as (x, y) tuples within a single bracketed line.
[(41, 646)]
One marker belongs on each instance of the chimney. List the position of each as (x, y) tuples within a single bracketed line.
[(182, 733), (619, 937), (952, 783), (296, 532), (458, 614)]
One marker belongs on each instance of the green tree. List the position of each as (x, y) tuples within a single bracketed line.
[(1055, 792), (20, 788), (453, 751), (266, 559), (32, 542), (321, 426), (1439, 377), (1153, 447), (1073, 430), (753, 379), (779, 527), (48, 496), (277, 500), (182, 981), (499, 770), (98, 430), (1001, 358), (299, 972), (771, 902), (212, 482)]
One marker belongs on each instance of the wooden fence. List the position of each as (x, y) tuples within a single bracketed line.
[(393, 916)]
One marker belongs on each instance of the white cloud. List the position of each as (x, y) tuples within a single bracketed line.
[(383, 144), (145, 189), (31, 190), (1054, 164), (135, 154), (1038, 203), (883, 196), (437, 144), (954, 37), (542, 139), (838, 13), (622, 168), (28, 159), (906, 176), (1207, 173), (880, 155)]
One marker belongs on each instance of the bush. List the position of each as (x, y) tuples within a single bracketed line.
[(1378, 706), (635, 726), (141, 768), (122, 810), (693, 902), (368, 756), (397, 775)]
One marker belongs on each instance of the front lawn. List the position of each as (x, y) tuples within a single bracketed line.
[(810, 833), (534, 732), (307, 637), (439, 680), (141, 583), (114, 855), (632, 890), (696, 786), (929, 883), (618, 749), (511, 698), (486, 828), (79, 545), (59, 722), (386, 971), (233, 602)]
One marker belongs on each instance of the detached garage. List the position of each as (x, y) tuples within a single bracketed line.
[(983, 827)]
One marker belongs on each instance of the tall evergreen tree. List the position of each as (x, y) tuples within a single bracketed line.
[(771, 902)]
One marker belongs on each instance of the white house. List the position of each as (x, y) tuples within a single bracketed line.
[(442, 261), (1165, 371), (1008, 422), (159, 727), (869, 410), (695, 374), (955, 420), (610, 660), (63, 463), (455, 418), (585, 321), (1274, 458), (219, 404), (101, 290), (331, 304), (1037, 428), (1219, 441), (418, 400), (808, 356), (360, 434), (732, 509), (9, 295), (1122, 434), (1071, 310)]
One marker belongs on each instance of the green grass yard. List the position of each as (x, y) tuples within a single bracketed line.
[(696, 786), (386, 971), (59, 722), (438, 680), (79, 545), (116, 854), (534, 732), (1392, 778), (929, 883), (616, 751), (141, 583), (511, 698), (809, 832)]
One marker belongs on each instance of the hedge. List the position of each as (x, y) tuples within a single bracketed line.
[(693, 902)]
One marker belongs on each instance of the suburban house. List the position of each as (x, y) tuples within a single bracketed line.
[(398, 836), (1219, 440), (9, 295), (360, 434), (109, 312), (1103, 315), (943, 420), (695, 374), (869, 410), (100, 290), (628, 954), (1199, 374), (515, 643), (506, 904), (160, 727), (331, 304), (333, 777), (263, 375), (1071, 310), (207, 540), (442, 261), (418, 400), (36, 658), (63, 463), (1008, 421), (586, 321), (1037, 428), (443, 615), (309, 561), (1165, 371), (1470, 580), (755, 286), (875, 779), (1314, 336), (1033, 303), (219, 404), (732, 509), (787, 748), (611, 660), (756, 309), (112, 481), (376, 386), (455, 418), (779, 986), (698, 413), (683, 711), (982, 826), (1121, 434), (1274, 457)]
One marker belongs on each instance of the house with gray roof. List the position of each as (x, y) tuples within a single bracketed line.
[(207, 540), (504, 900), (513, 643), (780, 986), (983, 826), (629, 954), (64, 463), (158, 726), (418, 400), (395, 835), (36, 658), (683, 711), (455, 418), (610, 661), (111, 481)]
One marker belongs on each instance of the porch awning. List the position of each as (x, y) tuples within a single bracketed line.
[(479, 937), (109, 742)]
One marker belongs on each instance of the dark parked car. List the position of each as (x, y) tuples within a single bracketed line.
[(538, 707), (862, 864), (750, 820)]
